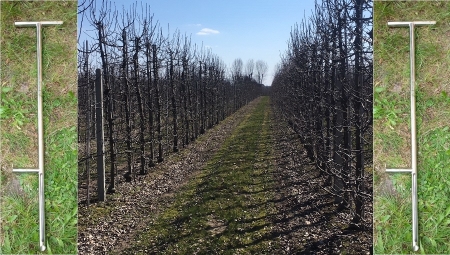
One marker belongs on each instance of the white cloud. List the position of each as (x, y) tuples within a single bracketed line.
[(207, 31)]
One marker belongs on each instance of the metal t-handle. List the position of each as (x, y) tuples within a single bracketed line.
[(40, 169), (413, 170)]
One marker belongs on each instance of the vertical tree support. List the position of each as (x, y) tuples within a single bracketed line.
[(413, 170), (40, 169), (88, 129), (100, 135)]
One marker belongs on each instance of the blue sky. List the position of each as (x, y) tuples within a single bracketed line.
[(246, 29)]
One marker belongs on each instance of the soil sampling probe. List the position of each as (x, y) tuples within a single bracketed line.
[(40, 170), (413, 170)]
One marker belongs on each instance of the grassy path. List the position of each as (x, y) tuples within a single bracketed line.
[(226, 208)]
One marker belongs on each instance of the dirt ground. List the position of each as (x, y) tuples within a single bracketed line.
[(307, 221)]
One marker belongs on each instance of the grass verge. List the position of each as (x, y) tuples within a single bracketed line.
[(19, 231), (392, 199), (224, 209)]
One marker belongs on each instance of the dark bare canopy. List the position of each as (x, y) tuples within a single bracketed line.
[(261, 70)]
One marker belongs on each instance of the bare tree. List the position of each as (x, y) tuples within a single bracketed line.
[(236, 74), (261, 70), (173, 48), (249, 67), (236, 69)]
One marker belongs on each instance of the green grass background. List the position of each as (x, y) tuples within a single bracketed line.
[(19, 233), (392, 192)]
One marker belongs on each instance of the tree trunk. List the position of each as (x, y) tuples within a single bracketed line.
[(158, 104), (359, 144), (150, 105), (140, 107), (124, 70), (174, 107)]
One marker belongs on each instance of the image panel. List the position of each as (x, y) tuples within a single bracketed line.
[(38, 131), (411, 136), (225, 127)]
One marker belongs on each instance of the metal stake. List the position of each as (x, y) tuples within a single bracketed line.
[(413, 170), (40, 169)]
